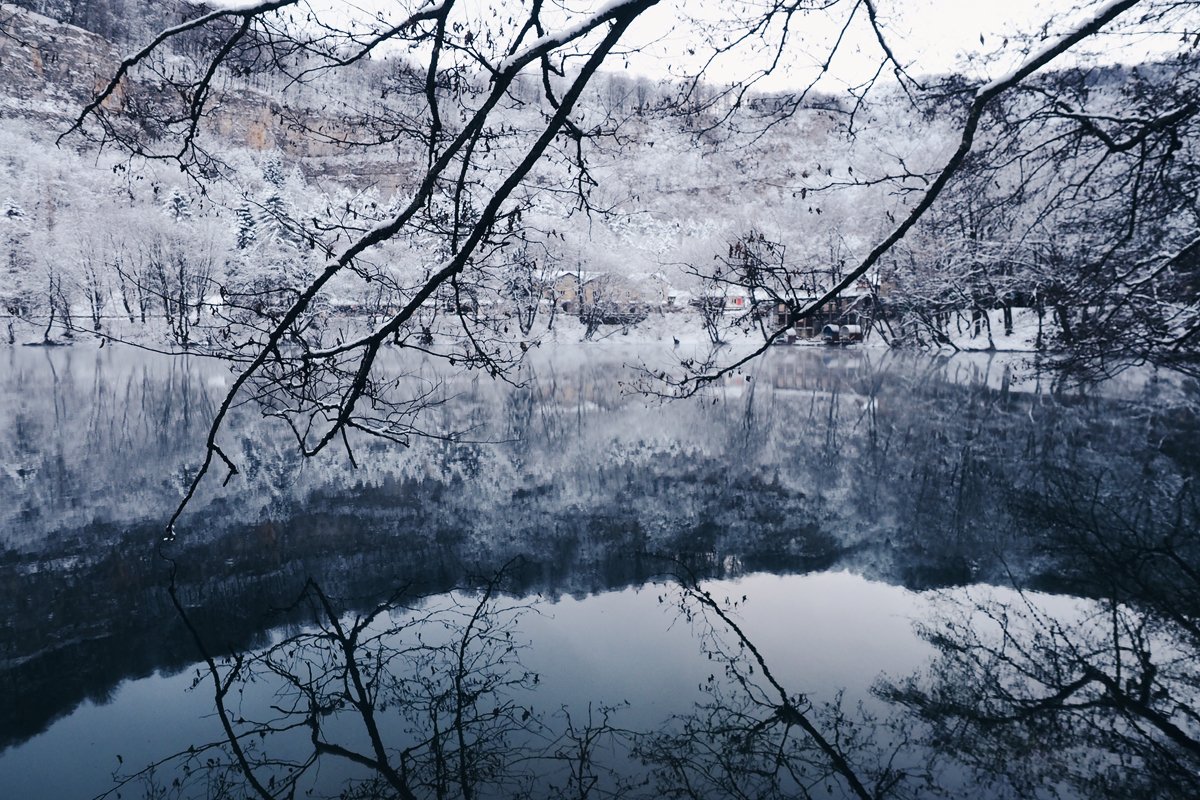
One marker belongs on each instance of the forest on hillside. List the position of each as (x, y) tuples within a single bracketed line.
[(1085, 223)]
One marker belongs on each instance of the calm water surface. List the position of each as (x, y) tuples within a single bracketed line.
[(843, 570)]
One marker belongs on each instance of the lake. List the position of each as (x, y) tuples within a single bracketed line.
[(841, 573)]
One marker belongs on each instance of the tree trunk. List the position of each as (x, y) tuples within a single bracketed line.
[(50, 324), (1064, 322)]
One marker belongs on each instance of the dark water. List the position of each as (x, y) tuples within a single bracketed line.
[(922, 575)]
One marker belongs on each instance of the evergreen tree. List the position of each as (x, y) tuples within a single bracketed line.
[(246, 227), (273, 172), (276, 220), (178, 206)]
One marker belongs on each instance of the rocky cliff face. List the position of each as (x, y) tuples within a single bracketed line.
[(48, 69), (51, 70)]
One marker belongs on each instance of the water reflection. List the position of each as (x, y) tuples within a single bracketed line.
[(1107, 697), (916, 471), (435, 697)]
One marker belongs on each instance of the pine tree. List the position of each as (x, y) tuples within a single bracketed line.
[(178, 206), (273, 172), (275, 213), (246, 227)]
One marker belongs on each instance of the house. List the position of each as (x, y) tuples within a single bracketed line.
[(737, 299), (611, 294), (656, 291), (570, 289), (729, 299), (854, 306)]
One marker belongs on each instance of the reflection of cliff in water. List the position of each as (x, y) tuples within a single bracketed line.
[(912, 470)]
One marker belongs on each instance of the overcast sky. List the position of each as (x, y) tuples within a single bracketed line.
[(980, 38)]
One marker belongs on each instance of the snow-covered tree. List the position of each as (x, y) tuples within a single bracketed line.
[(16, 291), (480, 152), (247, 227)]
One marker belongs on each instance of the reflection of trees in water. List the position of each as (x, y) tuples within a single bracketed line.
[(416, 697), (1102, 697), (428, 698), (902, 470), (867, 450), (1029, 694), (90, 437), (754, 737)]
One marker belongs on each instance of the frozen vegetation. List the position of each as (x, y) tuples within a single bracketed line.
[(693, 223), (421, 382)]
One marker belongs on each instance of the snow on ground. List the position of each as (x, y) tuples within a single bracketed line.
[(989, 333)]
